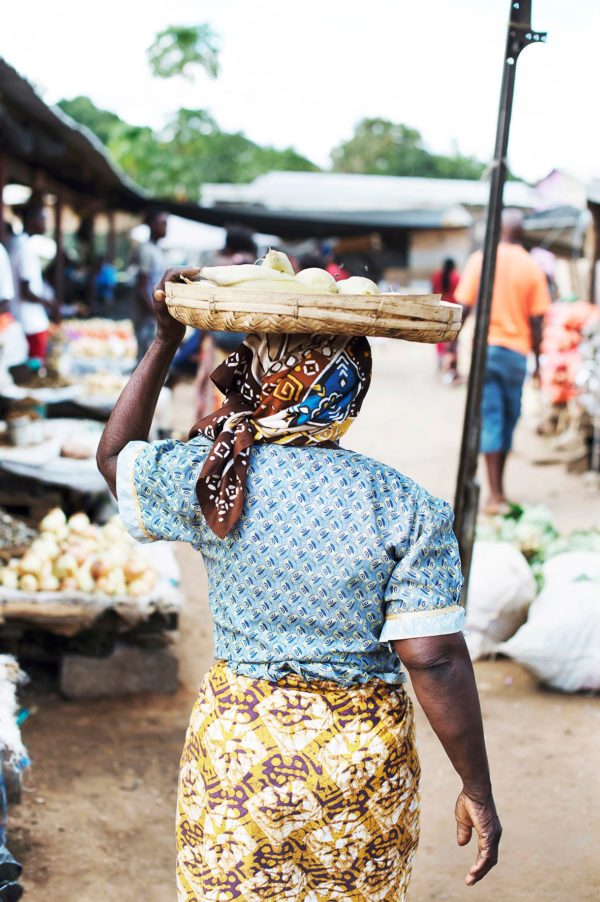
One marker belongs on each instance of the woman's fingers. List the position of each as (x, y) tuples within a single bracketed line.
[(483, 818), (174, 274), (463, 833), (487, 857), (167, 327)]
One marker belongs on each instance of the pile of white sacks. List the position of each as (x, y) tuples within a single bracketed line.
[(555, 634)]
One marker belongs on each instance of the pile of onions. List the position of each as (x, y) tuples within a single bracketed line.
[(76, 555)]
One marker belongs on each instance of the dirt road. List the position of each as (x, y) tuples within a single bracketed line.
[(97, 818)]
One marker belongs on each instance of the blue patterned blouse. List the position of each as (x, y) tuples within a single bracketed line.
[(334, 555)]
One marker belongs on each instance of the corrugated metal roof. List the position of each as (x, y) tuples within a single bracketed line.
[(294, 224), (343, 191)]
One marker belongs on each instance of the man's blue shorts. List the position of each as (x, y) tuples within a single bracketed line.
[(501, 403)]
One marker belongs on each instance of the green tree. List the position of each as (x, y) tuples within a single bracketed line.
[(381, 147), (191, 149), (195, 151), (178, 48), (104, 124)]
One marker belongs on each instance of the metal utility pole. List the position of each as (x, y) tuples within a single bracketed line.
[(520, 34)]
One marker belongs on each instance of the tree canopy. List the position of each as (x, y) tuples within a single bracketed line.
[(381, 147), (179, 47), (191, 149), (101, 122)]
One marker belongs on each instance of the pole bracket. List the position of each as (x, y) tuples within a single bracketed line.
[(520, 32)]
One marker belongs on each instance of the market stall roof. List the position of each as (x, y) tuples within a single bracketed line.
[(36, 137), (322, 223), (560, 229), (593, 192), (352, 192)]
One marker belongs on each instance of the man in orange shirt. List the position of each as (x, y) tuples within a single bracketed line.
[(519, 301)]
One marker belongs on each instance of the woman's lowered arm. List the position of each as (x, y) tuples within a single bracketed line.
[(132, 416), (442, 676)]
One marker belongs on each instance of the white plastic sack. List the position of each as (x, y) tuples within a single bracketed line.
[(560, 643), (571, 566), (501, 588)]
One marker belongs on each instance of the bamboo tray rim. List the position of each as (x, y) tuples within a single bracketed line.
[(244, 300), (246, 309)]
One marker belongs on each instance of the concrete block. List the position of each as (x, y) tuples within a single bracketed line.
[(126, 670)]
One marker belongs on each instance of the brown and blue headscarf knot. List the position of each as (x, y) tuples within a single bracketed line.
[(285, 389)]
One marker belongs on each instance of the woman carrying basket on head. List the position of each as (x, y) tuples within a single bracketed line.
[(328, 572)]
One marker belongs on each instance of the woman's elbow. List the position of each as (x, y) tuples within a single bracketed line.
[(108, 468), (431, 653)]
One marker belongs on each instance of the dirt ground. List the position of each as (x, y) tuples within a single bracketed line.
[(96, 821)]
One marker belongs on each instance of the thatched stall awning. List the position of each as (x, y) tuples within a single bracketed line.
[(44, 148)]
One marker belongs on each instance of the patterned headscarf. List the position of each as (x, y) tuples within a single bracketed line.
[(285, 389)]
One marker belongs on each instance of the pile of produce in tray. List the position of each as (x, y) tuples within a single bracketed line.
[(76, 555), (103, 384), (564, 327), (270, 297), (97, 338), (276, 273)]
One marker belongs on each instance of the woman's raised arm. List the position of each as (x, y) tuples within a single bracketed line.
[(442, 677), (132, 416)]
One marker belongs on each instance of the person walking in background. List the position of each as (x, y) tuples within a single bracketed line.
[(334, 268), (519, 301), (105, 283), (7, 291), (33, 308), (444, 282), (152, 262)]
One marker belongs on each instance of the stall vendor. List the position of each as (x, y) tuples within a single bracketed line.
[(328, 573), (33, 308)]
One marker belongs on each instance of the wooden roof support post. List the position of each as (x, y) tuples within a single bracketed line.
[(111, 238), (59, 270), (595, 211), (89, 294), (2, 184)]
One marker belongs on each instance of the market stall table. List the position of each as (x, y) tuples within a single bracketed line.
[(46, 461)]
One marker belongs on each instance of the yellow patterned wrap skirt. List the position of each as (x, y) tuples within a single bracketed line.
[(297, 792)]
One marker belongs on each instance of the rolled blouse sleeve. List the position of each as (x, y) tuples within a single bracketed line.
[(156, 491), (423, 593)]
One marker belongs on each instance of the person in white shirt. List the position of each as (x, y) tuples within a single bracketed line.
[(7, 289), (152, 263), (13, 346), (33, 306)]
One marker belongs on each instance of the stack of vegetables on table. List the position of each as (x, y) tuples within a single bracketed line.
[(97, 338), (75, 555), (276, 273), (564, 328)]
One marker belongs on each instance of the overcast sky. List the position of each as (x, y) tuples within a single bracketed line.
[(304, 72)]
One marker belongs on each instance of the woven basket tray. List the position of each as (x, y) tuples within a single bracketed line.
[(414, 317)]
